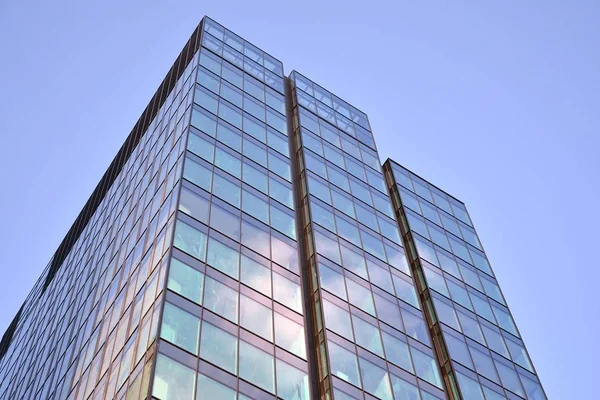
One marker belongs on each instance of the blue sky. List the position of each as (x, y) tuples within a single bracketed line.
[(498, 103)]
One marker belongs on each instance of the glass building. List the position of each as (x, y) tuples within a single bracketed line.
[(243, 244)]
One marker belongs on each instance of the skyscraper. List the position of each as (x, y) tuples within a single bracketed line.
[(243, 245)]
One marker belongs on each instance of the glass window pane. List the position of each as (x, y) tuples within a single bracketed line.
[(282, 193), (426, 368), (446, 313), (225, 222), (255, 152), (505, 320), (495, 341), (290, 335), (319, 189), (375, 380), (255, 128), (344, 364), (332, 281), (373, 245), (285, 254), (397, 351), (256, 239), (283, 222), (256, 366), (209, 389), (469, 388), (519, 355), (327, 247), (230, 114), (280, 167), (482, 307), (360, 297), (256, 276), (206, 99), (287, 293), (471, 328), (458, 350), (459, 295), (484, 365), (255, 206), (228, 163), (197, 174), (180, 328), (254, 178), (380, 276), (201, 147), (406, 291), (354, 262), (221, 299), (218, 347), (203, 121), (223, 258), (227, 190), (509, 378), (194, 205), (185, 281), (367, 335), (337, 320), (229, 137), (292, 384), (388, 312), (172, 380), (256, 317), (190, 240), (404, 390)]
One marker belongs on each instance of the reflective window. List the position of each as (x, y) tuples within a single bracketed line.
[(458, 350), (227, 190), (343, 364), (218, 347), (375, 380), (469, 387), (185, 281), (425, 367), (197, 174), (404, 390), (509, 379), (256, 366), (332, 281), (367, 335), (484, 364), (172, 380), (256, 275), (287, 293), (223, 258), (190, 240), (471, 328), (292, 384), (495, 341), (180, 328), (221, 299), (360, 297), (194, 205), (290, 335), (446, 313), (406, 291), (337, 319), (256, 317), (415, 326), (209, 389), (201, 147), (397, 351)]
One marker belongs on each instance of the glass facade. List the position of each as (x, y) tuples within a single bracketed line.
[(243, 245), (479, 339)]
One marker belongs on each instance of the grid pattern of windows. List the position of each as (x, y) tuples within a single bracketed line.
[(233, 324), (86, 335), (371, 335), (488, 356)]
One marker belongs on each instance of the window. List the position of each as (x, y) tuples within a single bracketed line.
[(446, 313), (482, 307), (322, 216), (256, 276), (228, 163), (354, 262), (459, 295), (397, 351), (509, 378), (256, 366), (221, 299), (375, 380), (283, 222), (519, 355), (337, 320), (223, 258), (458, 350), (404, 390), (343, 364), (206, 99), (280, 167), (255, 206), (285, 254), (318, 189), (471, 328), (415, 326), (380, 276), (367, 335), (172, 380), (227, 135), (332, 281), (254, 177), (483, 364), (190, 240), (225, 222), (495, 341), (255, 152), (360, 297), (348, 231), (256, 317), (388, 312), (197, 174), (327, 247), (435, 281), (292, 384), (406, 291), (194, 205), (185, 281), (256, 239), (469, 388), (425, 367), (204, 121), (287, 293), (282, 193), (290, 335), (230, 114), (201, 147), (505, 320), (373, 245), (209, 389), (180, 328), (227, 190), (218, 347)]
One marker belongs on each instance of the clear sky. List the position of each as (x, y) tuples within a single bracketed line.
[(498, 103)]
